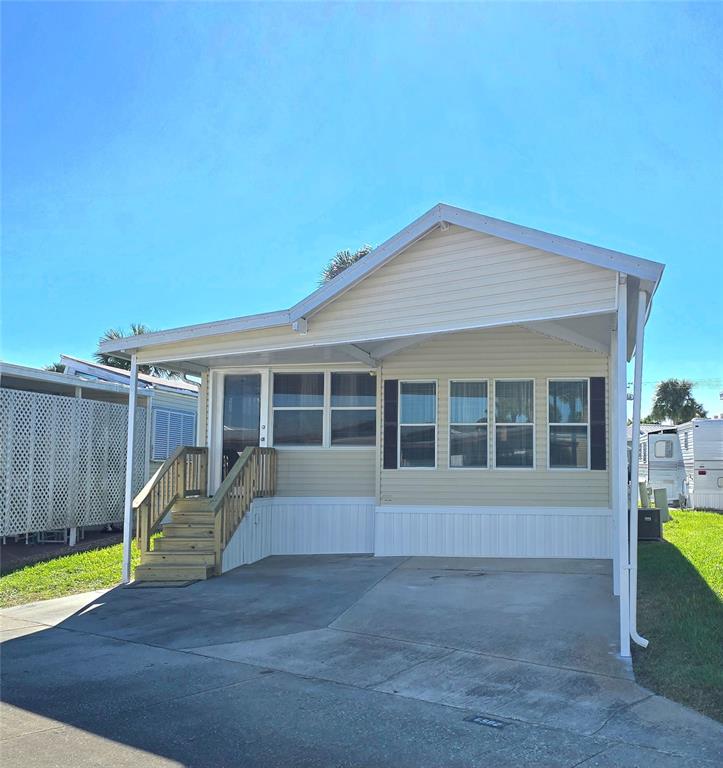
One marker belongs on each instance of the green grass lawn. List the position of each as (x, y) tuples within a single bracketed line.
[(680, 611), (80, 572)]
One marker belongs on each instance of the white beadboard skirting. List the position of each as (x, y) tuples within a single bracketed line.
[(286, 525), (584, 532), (345, 525)]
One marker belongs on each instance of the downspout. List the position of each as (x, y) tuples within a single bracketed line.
[(130, 449), (634, 463)]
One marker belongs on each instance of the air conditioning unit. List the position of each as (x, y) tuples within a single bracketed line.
[(649, 526)]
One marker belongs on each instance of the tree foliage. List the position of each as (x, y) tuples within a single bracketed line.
[(341, 261), (674, 402), (56, 367), (136, 329)]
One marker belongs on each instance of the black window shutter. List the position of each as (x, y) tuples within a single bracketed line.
[(598, 456), (391, 402)]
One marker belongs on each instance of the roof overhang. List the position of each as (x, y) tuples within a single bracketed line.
[(642, 273)]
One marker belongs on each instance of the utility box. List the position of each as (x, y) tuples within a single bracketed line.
[(650, 527)]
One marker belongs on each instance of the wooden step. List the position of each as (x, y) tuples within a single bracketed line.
[(178, 557), (183, 544), (167, 572), (188, 530), (194, 504), (193, 516)]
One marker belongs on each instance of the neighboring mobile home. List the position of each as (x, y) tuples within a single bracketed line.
[(461, 391), (174, 404)]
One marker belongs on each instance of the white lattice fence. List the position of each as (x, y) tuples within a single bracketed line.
[(62, 461)]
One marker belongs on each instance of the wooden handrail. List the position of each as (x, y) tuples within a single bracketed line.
[(253, 475), (182, 474)]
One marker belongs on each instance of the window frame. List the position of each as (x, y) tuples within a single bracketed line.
[(326, 409), (332, 408), (417, 424), (551, 424), (273, 408), (487, 466), (532, 423), (664, 441)]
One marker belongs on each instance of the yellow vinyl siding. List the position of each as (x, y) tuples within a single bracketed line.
[(502, 353), (461, 278), (325, 472), (445, 281)]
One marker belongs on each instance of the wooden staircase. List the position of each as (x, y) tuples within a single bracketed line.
[(201, 526), (186, 551)]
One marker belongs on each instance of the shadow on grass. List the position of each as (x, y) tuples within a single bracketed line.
[(683, 619)]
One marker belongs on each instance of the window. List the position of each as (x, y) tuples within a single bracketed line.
[(171, 429), (569, 424), (298, 404), (514, 424), (645, 452), (663, 449), (467, 424), (418, 424), (353, 409), (720, 482), (685, 440)]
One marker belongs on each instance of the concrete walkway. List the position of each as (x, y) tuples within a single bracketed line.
[(341, 661)]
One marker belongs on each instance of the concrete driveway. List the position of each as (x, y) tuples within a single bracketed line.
[(341, 661)]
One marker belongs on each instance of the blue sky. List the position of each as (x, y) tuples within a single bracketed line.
[(173, 164)]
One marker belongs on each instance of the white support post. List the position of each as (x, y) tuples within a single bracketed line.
[(130, 449), (634, 463), (620, 458), (614, 469)]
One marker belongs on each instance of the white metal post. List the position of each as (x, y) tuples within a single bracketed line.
[(620, 457), (634, 463), (613, 439), (130, 450)]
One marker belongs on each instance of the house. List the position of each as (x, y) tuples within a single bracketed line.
[(174, 404), (461, 390), (63, 459)]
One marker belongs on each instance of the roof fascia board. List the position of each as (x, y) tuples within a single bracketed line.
[(64, 379), (186, 332), (563, 246), (372, 261), (305, 343)]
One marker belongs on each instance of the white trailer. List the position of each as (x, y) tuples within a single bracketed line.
[(701, 445), (661, 464)]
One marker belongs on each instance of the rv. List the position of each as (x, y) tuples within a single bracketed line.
[(687, 461), (661, 463), (701, 445)]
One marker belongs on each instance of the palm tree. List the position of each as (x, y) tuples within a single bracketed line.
[(342, 261), (55, 367), (674, 402), (136, 329)]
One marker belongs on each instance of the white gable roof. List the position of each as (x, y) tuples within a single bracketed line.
[(647, 272)]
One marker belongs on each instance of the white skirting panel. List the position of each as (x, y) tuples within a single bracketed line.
[(493, 531), (302, 526), (709, 500)]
